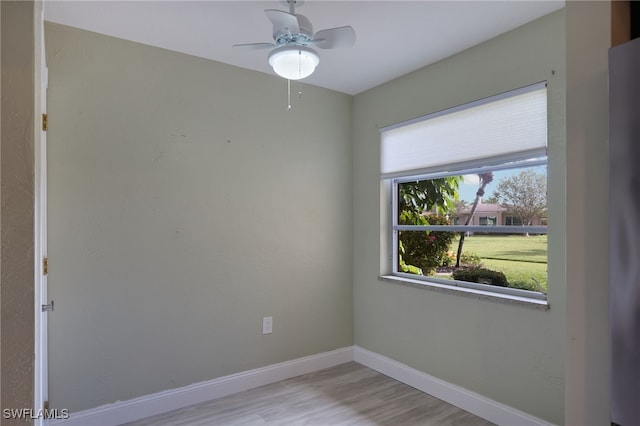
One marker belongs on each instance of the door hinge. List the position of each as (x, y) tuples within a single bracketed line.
[(45, 122), (45, 266), (45, 406), (47, 308)]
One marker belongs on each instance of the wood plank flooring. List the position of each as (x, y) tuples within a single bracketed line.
[(349, 394)]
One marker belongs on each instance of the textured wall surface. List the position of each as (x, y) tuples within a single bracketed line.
[(587, 333), (16, 215), (508, 353), (185, 204)]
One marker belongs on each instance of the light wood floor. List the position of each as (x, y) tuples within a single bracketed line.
[(349, 394)]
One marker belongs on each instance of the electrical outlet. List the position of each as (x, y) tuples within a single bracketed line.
[(267, 325)]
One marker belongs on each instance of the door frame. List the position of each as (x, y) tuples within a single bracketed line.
[(41, 386)]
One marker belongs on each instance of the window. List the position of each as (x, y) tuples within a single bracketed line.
[(455, 173), (512, 221), (488, 220)]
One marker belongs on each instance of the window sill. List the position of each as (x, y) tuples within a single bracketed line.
[(470, 292)]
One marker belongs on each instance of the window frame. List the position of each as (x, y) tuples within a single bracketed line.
[(496, 162), (396, 228)]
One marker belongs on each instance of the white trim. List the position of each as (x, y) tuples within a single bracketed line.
[(472, 402), (162, 402), (173, 399), (41, 77), (507, 294), (520, 161), (493, 229)]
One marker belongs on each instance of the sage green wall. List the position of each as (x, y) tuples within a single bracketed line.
[(185, 204), (509, 353)]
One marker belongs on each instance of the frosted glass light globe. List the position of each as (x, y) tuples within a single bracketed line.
[(294, 62)]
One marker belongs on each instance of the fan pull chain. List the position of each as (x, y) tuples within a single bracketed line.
[(289, 93)]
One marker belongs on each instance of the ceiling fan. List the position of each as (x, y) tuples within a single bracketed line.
[(292, 57)]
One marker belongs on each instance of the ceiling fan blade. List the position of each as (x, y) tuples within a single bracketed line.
[(335, 37), (283, 22), (255, 46)]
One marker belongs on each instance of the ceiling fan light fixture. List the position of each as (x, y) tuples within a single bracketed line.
[(294, 62)]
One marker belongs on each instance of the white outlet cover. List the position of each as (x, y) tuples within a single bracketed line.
[(267, 325)]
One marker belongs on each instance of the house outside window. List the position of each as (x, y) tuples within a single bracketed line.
[(439, 231), (512, 221), (488, 221)]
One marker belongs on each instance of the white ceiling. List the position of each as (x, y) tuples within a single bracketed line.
[(393, 38)]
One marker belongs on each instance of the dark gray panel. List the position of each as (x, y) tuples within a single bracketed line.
[(624, 123)]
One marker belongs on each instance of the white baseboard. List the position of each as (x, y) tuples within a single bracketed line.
[(173, 399), (472, 402)]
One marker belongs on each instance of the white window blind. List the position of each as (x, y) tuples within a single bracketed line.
[(509, 126)]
